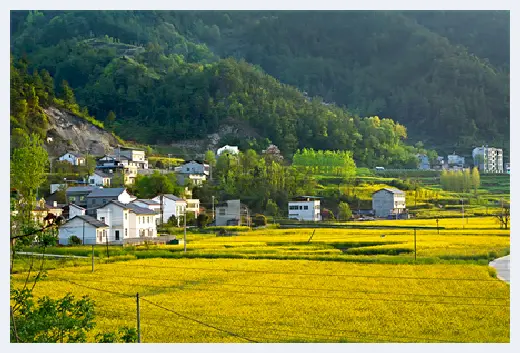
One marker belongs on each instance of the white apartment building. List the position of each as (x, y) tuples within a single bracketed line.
[(305, 208), (488, 159)]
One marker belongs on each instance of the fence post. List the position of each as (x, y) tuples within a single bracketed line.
[(138, 321), (415, 243), (92, 258)]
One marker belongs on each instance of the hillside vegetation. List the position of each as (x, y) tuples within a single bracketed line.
[(160, 72)]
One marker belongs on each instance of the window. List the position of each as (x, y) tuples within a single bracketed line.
[(102, 219), (126, 232), (72, 198), (222, 211), (126, 215), (92, 181), (147, 219), (117, 234), (305, 207), (293, 207), (82, 198), (104, 201), (93, 201), (301, 208)]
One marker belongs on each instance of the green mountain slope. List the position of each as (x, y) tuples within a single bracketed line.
[(158, 72)]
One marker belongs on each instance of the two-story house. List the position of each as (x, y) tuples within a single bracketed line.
[(171, 206), (305, 208), (100, 178), (231, 213), (150, 204), (135, 157), (389, 202), (100, 197), (127, 221), (88, 229), (193, 170)]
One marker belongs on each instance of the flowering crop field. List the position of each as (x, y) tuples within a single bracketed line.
[(235, 300)]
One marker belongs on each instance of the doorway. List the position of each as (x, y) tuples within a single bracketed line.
[(117, 235)]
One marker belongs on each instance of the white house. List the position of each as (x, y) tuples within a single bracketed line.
[(75, 210), (456, 160), (227, 148), (99, 178), (172, 206), (424, 162), (150, 204), (389, 202), (88, 229), (127, 221), (196, 179), (73, 158), (305, 208), (135, 157), (56, 187), (230, 213), (193, 167)]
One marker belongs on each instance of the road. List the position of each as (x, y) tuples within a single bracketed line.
[(502, 267), (51, 255)]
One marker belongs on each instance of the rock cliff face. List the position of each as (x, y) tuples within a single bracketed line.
[(68, 132)]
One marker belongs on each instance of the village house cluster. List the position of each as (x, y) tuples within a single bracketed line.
[(486, 159)]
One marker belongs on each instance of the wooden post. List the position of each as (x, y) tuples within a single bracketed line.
[(138, 320), (92, 258), (108, 254), (415, 243), (185, 213)]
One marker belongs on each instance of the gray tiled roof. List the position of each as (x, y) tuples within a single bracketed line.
[(173, 197), (148, 201), (392, 190), (74, 189), (106, 192), (134, 208), (91, 220)]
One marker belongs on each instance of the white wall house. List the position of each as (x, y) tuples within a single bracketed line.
[(456, 160), (99, 178), (150, 204), (117, 217), (196, 179), (193, 205), (135, 157), (389, 202), (305, 208), (75, 210), (88, 229), (231, 212), (143, 221), (172, 206), (72, 158), (227, 148), (193, 167)]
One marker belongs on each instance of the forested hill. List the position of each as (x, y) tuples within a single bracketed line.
[(161, 73)]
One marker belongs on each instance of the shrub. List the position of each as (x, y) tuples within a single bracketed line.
[(74, 240), (202, 220), (172, 221), (259, 220)]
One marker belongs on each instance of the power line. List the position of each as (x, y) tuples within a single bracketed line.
[(198, 321), (293, 288), (316, 274), (338, 297)]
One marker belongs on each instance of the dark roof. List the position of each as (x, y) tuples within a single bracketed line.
[(81, 189), (140, 210), (131, 148), (173, 197), (391, 190), (75, 154), (90, 220), (74, 205), (132, 207), (102, 174), (298, 198), (107, 192), (148, 201)]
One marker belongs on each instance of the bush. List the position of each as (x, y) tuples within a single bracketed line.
[(74, 240), (259, 220), (172, 221), (202, 220)]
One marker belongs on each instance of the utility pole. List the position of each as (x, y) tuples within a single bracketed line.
[(138, 320), (462, 200), (437, 226), (184, 230), (214, 216), (83, 232), (108, 254), (415, 244), (169, 161), (92, 257)]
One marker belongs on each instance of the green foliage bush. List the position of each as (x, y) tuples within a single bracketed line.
[(74, 240), (259, 220)]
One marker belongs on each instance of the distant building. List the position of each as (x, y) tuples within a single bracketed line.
[(193, 205), (100, 178), (455, 161), (389, 202), (73, 158), (88, 229), (424, 162), (231, 213), (488, 159), (75, 210), (134, 156), (305, 208), (228, 149), (195, 171)]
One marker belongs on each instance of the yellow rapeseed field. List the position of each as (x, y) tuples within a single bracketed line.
[(230, 300)]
